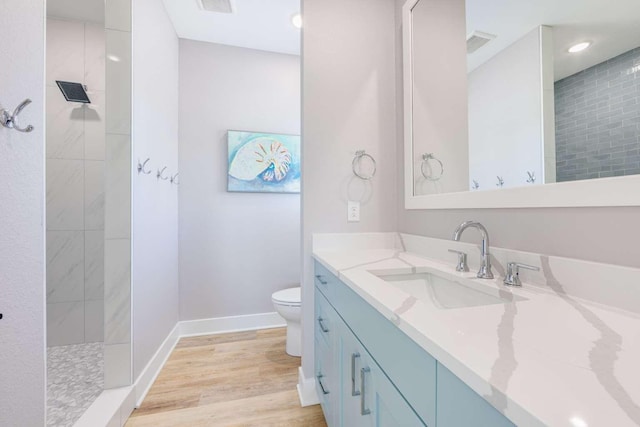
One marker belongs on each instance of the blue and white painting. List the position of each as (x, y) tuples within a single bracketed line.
[(263, 162)]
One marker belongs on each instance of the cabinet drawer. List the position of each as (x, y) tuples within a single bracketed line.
[(325, 280), (459, 406), (408, 366), (325, 320)]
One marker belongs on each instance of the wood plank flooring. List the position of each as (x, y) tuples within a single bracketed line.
[(239, 379)]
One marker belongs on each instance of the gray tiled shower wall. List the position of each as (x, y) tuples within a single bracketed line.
[(598, 120)]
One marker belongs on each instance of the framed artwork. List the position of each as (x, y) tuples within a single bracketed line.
[(263, 162)]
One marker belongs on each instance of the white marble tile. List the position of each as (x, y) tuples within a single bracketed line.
[(65, 127), (94, 126), (118, 15), (118, 187), (94, 180), (65, 51), (65, 266), (94, 49), (65, 323), (94, 265), (94, 321), (65, 194), (117, 365), (118, 80), (117, 295)]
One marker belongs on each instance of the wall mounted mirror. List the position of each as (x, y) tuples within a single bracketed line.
[(521, 104)]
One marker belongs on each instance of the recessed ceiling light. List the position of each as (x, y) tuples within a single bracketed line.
[(579, 47), (296, 20)]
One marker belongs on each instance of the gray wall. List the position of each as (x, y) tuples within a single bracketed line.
[(155, 202), (348, 104), (236, 249), (22, 255), (598, 120), (595, 234)]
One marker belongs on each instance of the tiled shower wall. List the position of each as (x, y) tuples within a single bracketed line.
[(75, 151), (598, 120)]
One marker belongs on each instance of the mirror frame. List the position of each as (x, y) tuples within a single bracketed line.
[(601, 192)]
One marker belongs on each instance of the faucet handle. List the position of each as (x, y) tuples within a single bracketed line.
[(462, 261), (512, 277)]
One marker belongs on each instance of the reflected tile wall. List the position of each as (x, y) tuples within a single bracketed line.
[(75, 185)]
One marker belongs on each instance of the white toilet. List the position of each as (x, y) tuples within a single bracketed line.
[(287, 303)]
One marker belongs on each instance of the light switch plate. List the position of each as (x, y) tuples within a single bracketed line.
[(353, 211)]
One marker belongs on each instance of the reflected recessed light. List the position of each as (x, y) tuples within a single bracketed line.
[(296, 20), (579, 47), (578, 422), (113, 58)]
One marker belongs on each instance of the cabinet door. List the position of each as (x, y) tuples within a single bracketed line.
[(369, 398), (459, 406)]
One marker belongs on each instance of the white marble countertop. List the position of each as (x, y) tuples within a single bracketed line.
[(547, 359)]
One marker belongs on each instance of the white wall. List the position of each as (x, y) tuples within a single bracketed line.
[(440, 95), (75, 184), (595, 234), (348, 104), (236, 249), (506, 119), (22, 220), (155, 202)]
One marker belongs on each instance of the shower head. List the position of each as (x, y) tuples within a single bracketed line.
[(73, 92)]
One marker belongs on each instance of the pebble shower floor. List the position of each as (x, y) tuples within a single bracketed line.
[(75, 377)]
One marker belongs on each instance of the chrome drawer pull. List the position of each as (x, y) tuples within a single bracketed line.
[(320, 377), (322, 327), (321, 280), (363, 405), (354, 392)]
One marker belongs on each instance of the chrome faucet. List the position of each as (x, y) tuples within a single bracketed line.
[(485, 262)]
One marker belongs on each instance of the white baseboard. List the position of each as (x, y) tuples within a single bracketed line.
[(153, 368), (220, 325), (110, 409), (307, 390)]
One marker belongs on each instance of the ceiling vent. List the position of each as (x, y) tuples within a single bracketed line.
[(477, 39), (220, 6)]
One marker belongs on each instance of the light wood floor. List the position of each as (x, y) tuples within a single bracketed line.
[(240, 379)]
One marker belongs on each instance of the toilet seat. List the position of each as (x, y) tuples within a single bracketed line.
[(290, 297)]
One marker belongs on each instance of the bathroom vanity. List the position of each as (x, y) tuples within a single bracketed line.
[(402, 339), (368, 372)]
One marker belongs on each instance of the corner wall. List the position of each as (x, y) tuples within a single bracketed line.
[(348, 104), (236, 249), (155, 201), (22, 217)]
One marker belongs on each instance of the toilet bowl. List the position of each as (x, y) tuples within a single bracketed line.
[(287, 303)]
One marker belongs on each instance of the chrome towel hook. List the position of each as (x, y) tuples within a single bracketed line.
[(160, 174), (141, 167), (532, 177), (8, 120)]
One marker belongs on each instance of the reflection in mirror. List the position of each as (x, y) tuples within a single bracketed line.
[(518, 93)]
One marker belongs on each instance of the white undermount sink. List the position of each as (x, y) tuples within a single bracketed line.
[(443, 293)]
